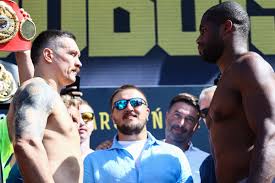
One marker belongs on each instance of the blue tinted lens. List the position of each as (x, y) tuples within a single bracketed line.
[(136, 102), (121, 104)]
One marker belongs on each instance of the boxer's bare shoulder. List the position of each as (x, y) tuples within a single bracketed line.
[(34, 100)]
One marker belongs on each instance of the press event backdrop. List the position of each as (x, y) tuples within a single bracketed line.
[(143, 42)]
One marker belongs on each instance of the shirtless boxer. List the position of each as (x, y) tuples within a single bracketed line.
[(46, 144), (241, 118)]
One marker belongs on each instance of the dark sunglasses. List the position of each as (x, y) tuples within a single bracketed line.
[(122, 104), (204, 112), (87, 116)]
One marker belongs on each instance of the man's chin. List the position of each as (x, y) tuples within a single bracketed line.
[(69, 81), (72, 79), (130, 130), (82, 136), (177, 136)]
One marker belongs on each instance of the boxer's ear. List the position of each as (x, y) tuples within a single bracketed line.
[(48, 54), (228, 26)]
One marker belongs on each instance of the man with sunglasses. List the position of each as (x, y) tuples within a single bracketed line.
[(86, 127), (71, 95), (83, 116), (182, 121), (135, 156)]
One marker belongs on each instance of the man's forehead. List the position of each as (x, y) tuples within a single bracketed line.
[(85, 108), (202, 25), (181, 105), (184, 108), (128, 93)]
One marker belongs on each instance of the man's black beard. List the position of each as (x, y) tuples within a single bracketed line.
[(130, 130), (212, 58), (213, 52)]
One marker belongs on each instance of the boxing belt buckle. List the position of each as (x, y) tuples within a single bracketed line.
[(16, 31)]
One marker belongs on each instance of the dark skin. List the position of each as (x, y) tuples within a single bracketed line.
[(241, 119)]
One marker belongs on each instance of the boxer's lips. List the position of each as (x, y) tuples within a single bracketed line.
[(200, 49)]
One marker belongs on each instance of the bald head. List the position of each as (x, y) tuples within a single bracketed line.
[(229, 10), (206, 97)]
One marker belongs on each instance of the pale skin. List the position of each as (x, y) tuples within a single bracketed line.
[(206, 99), (25, 66), (182, 121), (85, 131), (23, 59), (46, 143), (131, 116), (136, 115), (241, 119)]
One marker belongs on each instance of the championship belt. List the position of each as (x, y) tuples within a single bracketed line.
[(16, 31), (7, 85)]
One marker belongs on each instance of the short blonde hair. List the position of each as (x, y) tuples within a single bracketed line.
[(70, 100)]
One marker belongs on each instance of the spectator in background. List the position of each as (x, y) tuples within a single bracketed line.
[(135, 156), (86, 127), (207, 169), (182, 121), (72, 97), (72, 105), (205, 100)]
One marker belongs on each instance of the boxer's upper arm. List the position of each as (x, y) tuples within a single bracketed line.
[(257, 88), (33, 105)]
